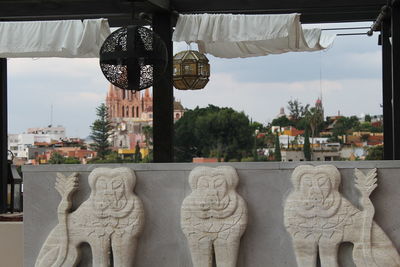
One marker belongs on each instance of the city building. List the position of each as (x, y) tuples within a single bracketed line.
[(130, 112), (18, 144), (54, 132)]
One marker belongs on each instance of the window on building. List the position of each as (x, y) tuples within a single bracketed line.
[(137, 112), (133, 112)]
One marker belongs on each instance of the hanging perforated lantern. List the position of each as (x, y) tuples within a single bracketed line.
[(191, 70), (133, 57)]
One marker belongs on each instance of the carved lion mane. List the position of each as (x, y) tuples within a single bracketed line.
[(112, 192), (213, 191), (316, 190)]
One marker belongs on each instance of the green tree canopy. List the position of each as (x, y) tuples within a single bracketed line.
[(72, 160), (56, 158), (138, 155), (368, 127), (277, 151), (282, 121), (213, 131), (314, 121), (306, 146), (296, 110), (101, 131), (344, 124), (375, 153)]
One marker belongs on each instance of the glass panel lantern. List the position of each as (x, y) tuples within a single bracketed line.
[(191, 70)]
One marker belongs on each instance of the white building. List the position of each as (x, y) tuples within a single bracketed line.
[(287, 141), (55, 132), (18, 144)]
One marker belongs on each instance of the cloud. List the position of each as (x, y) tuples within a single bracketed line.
[(262, 101), (74, 87), (349, 74)]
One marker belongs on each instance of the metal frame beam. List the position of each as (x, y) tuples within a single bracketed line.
[(396, 78), (312, 11), (3, 136), (119, 11), (163, 96), (387, 89)]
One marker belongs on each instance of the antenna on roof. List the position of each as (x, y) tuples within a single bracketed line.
[(320, 75)]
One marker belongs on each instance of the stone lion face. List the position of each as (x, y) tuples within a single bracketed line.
[(213, 193), (112, 191), (316, 190), (109, 193)]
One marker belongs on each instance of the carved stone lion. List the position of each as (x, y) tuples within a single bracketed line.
[(319, 218), (213, 216), (110, 220)]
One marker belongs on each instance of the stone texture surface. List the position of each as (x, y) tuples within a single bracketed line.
[(163, 187), (213, 216), (319, 219), (11, 244), (109, 221)]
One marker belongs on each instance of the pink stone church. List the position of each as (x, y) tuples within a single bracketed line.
[(129, 112)]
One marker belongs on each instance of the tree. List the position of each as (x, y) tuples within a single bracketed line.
[(364, 137), (101, 131), (297, 110), (148, 135), (56, 158), (277, 151), (315, 120), (375, 153), (367, 118), (306, 146), (343, 125), (282, 122), (72, 160), (213, 131), (138, 155)]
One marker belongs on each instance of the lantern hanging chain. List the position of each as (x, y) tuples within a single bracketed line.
[(320, 73)]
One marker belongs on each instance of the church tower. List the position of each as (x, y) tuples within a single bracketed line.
[(123, 103), (320, 108)]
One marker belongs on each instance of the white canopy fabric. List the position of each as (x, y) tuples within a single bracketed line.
[(64, 38), (231, 36)]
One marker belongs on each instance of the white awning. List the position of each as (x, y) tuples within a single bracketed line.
[(64, 38), (230, 36)]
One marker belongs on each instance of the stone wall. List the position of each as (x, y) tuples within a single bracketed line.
[(162, 188)]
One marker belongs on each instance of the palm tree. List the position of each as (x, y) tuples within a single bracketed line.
[(314, 121)]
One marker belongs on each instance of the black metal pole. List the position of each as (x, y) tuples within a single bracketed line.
[(396, 78), (3, 133), (387, 90), (163, 96)]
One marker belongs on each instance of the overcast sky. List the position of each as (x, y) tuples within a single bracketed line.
[(348, 74)]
